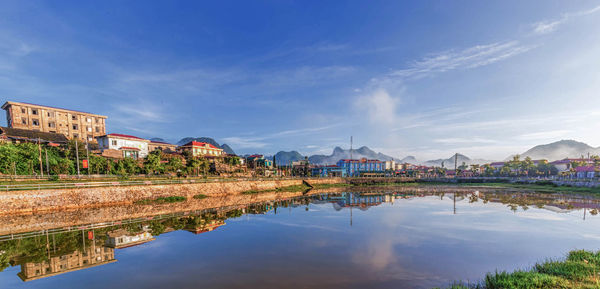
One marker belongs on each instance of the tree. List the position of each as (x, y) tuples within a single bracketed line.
[(153, 164), (175, 164)]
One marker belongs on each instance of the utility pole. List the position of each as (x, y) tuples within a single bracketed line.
[(77, 156), (87, 156), (40, 157), (455, 165), (47, 166)]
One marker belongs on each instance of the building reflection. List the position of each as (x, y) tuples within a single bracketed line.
[(77, 260)]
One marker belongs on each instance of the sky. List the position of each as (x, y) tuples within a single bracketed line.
[(425, 78)]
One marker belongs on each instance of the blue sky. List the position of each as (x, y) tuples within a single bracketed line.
[(423, 78)]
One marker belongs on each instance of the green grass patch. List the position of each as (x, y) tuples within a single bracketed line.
[(200, 196), (579, 270), (162, 200)]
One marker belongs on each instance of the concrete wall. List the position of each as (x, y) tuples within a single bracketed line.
[(27, 202)]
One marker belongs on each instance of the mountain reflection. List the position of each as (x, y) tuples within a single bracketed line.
[(55, 251)]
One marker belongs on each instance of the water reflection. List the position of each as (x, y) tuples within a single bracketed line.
[(394, 244)]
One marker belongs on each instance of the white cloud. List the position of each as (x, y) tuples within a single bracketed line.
[(379, 105), (245, 142), (548, 26), (472, 57), (552, 134)]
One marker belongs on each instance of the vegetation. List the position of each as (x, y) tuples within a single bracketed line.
[(200, 196), (579, 270), (162, 200), (292, 188)]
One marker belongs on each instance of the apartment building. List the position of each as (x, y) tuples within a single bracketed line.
[(71, 123), (128, 145)]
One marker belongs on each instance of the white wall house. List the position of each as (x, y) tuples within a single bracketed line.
[(130, 146)]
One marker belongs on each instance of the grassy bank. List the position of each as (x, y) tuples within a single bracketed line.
[(162, 200), (293, 188), (579, 270)]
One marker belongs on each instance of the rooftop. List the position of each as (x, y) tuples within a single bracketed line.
[(6, 104), (199, 144)]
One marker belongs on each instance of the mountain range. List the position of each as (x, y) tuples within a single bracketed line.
[(339, 153), (560, 150)]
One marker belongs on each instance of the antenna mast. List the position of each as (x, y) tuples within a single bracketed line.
[(350, 147)]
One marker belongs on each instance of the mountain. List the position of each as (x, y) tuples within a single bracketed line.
[(284, 158), (560, 150), (209, 140), (227, 149), (408, 159), (449, 162), (158, 139), (339, 153)]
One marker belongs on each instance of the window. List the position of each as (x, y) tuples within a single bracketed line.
[(75, 135), (89, 129), (89, 119), (74, 117), (114, 142), (50, 114), (24, 120), (75, 127), (35, 122), (23, 110), (97, 129), (97, 120), (34, 111), (51, 124)]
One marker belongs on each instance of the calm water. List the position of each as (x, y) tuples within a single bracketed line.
[(345, 240)]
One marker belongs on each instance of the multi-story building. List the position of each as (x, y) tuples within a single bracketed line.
[(92, 256), (202, 149), (122, 238), (71, 123), (129, 146), (356, 167)]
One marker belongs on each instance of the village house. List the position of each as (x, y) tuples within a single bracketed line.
[(585, 172), (123, 146), (565, 164), (162, 146), (202, 149), (71, 123), (121, 238), (17, 135), (255, 161)]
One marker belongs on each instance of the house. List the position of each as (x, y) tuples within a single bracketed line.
[(389, 165), (162, 146), (207, 227), (129, 146), (356, 167), (202, 149), (17, 135), (497, 166), (70, 123), (255, 161), (585, 172), (328, 171), (565, 164), (121, 238)]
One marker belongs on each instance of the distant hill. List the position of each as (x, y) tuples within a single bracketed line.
[(449, 162), (339, 153), (408, 159), (227, 149), (284, 158), (158, 139), (560, 150), (209, 140)]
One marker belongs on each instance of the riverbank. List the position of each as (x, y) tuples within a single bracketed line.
[(34, 201), (579, 270)]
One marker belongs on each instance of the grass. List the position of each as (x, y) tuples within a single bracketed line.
[(293, 188), (162, 200), (200, 196), (580, 270)]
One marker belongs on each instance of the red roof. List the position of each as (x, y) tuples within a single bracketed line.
[(124, 135), (129, 148), (497, 164), (585, 169), (199, 144)]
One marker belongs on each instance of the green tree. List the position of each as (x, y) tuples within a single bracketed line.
[(153, 164)]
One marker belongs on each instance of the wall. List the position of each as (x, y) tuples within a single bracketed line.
[(27, 202)]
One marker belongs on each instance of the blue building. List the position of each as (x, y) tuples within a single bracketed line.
[(328, 171), (354, 168)]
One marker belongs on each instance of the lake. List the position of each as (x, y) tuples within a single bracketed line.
[(371, 239)]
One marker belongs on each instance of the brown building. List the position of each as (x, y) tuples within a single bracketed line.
[(162, 146), (71, 123), (93, 256)]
